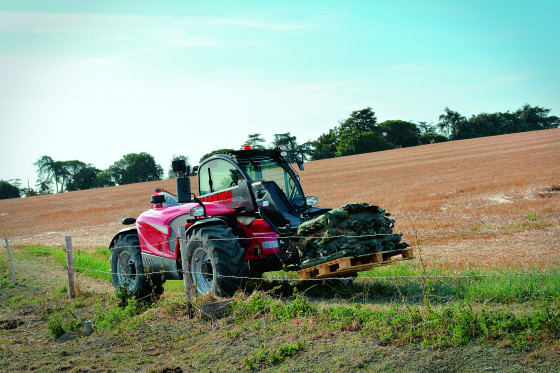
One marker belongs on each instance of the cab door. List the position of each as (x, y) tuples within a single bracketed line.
[(220, 180)]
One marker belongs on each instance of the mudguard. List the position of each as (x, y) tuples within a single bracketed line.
[(124, 230), (207, 221)]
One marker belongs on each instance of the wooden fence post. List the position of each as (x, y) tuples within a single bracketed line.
[(186, 272), (70, 266), (10, 260)]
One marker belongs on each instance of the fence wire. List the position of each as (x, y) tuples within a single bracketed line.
[(296, 237), (295, 279)]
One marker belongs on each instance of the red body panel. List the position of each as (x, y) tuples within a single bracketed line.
[(266, 237), (154, 231)]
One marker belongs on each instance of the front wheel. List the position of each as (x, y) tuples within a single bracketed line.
[(216, 261), (127, 269)]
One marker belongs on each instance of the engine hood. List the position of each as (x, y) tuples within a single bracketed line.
[(160, 217)]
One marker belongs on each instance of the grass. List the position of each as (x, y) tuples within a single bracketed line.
[(402, 282), (445, 326), (95, 263), (291, 326), (269, 357), (407, 282)]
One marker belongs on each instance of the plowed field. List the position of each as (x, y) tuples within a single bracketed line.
[(486, 202)]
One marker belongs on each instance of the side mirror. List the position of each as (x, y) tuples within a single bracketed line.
[(299, 162)]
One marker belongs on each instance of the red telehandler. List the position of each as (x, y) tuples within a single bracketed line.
[(243, 223)]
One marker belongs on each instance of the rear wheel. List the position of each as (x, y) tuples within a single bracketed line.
[(216, 261), (127, 269)]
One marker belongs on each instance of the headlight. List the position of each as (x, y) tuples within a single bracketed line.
[(197, 211), (311, 201), (284, 153)]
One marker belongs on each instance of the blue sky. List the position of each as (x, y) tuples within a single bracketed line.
[(96, 80)]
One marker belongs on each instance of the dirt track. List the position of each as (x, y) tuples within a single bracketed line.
[(470, 185)]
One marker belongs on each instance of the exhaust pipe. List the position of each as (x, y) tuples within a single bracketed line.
[(183, 180)]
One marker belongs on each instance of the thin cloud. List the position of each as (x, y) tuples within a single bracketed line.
[(175, 31)]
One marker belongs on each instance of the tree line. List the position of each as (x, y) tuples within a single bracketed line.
[(361, 133), (357, 134)]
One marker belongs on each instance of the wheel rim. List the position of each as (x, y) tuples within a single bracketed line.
[(202, 272), (126, 270)]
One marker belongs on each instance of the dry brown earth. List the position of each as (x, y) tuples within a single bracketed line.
[(455, 200)]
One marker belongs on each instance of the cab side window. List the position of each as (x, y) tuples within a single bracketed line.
[(204, 180), (217, 175)]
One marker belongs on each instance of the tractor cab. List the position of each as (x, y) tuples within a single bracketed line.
[(256, 184)]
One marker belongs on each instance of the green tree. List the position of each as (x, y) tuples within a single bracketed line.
[(255, 141), (352, 136), (360, 120), (135, 168), (170, 173), (104, 179), (50, 171), (451, 124), (305, 150), (426, 127), (218, 151), (81, 176), (292, 146), (355, 142), (482, 125), (325, 146), (432, 138), (9, 189), (284, 139), (65, 175), (47, 173), (400, 133), (533, 118)]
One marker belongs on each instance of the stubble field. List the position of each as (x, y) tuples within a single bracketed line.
[(457, 201)]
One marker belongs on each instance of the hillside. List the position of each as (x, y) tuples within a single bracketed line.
[(429, 189)]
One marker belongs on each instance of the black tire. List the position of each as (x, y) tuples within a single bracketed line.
[(216, 261), (127, 268)]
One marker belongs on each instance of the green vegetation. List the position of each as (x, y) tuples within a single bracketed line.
[(109, 315), (266, 357), (403, 305), (407, 282), (455, 324), (68, 175), (528, 118), (95, 264), (62, 321), (65, 176), (288, 325), (357, 134), (10, 188), (360, 132), (135, 168)]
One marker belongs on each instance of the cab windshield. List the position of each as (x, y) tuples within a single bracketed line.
[(265, 168)]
